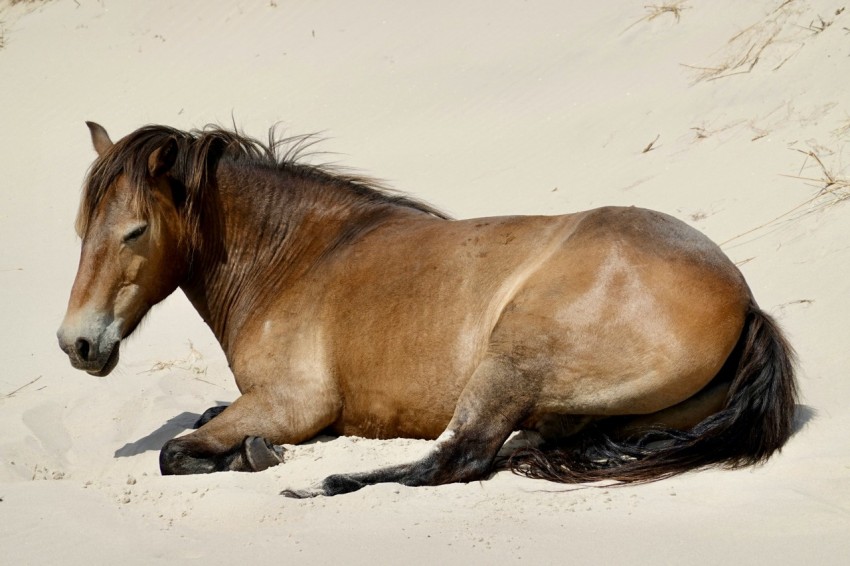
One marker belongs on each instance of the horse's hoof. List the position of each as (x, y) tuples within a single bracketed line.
[(262, 454), (209, 415), (301, 493)]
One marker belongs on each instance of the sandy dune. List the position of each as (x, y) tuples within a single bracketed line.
[(733, 116)]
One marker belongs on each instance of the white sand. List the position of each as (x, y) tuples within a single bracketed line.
[(481, 108)]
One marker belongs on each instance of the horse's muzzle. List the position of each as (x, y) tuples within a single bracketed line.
[(97, 357)]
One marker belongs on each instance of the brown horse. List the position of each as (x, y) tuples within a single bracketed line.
[(627, 339)]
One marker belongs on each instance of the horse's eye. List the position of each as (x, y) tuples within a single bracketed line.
[(136, 233)]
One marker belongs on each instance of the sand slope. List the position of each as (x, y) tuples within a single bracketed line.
[(706, 111)]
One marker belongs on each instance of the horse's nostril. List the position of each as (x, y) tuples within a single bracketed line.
[(83, 348)]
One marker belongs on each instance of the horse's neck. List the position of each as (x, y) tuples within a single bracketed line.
[(264, 230)]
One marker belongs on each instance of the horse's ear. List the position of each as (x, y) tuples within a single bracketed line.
[(162, 158), (99, 138)]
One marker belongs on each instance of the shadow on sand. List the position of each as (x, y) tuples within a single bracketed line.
[(155, 440), (803, 415)]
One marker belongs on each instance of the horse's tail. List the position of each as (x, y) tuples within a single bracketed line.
[(756, 421)]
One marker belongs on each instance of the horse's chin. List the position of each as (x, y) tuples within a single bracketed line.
[(110, 364)]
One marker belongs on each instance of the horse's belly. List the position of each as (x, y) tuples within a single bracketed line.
[(388, 407), (408, 382), (384, 422)]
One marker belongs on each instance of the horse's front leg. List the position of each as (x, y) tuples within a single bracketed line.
[(243, 437), (209, 415)]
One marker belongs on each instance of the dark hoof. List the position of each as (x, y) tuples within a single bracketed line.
[(174, 459), (332, 485), (209, 415), (300, 493), (261, 454)]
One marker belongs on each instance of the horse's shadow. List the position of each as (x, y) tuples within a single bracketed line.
[(803, 415), (156, 439)]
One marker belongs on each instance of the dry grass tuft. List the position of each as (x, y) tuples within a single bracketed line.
[(191, 363), (11, 3), (774, 39), (832, 188), (829, 183), (674, 8), (657, 10), (742, 61), (821, 24), (705, 131)]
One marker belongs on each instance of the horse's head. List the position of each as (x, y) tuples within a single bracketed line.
[(133, 251)]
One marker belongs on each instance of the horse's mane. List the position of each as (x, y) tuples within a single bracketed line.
[(198, 153)]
